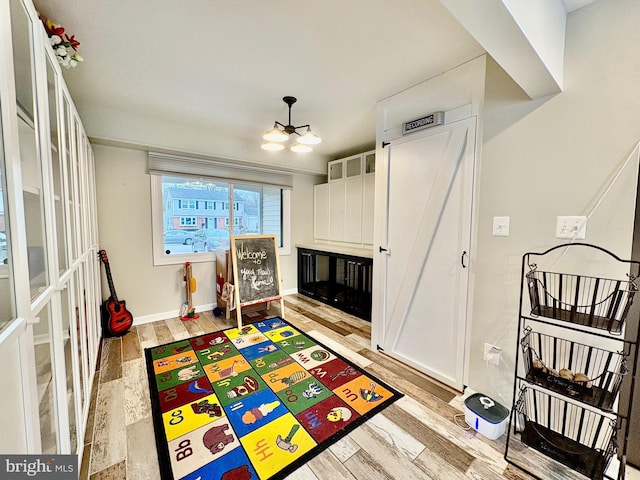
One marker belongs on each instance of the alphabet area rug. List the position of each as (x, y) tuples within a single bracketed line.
[(255, 403)]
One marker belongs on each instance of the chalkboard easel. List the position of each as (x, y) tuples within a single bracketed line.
[(256, 271)]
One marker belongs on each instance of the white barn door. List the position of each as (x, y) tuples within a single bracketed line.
[(425, 271)]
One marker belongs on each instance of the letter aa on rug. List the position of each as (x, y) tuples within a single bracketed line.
[(255, 403)]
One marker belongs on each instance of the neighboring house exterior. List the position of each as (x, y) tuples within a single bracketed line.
[(194, 208), (251, 218)]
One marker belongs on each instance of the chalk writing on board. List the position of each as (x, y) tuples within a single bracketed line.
[(258, 278), (256, 268), (246, 253)]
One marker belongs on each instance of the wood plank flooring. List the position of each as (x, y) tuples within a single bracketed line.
[(418, 437)]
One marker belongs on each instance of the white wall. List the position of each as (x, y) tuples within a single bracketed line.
[(123, 190), (555, 156), (157, 134), (543, 23), (525, 38)]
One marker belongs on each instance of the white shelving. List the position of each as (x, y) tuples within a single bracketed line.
[(49, 213), (343, 207)]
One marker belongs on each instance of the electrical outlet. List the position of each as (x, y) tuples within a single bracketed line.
[(492, 354), (571, 227)]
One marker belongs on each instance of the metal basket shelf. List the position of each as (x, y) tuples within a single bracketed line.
[(588, 301), (583, 372), (583, 440)]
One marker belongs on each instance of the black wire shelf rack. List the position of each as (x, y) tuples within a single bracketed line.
[(585, 373), (595, 302), (574, 387), (582, 439)]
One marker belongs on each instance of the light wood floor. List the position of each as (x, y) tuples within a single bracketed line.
[(417, 437)]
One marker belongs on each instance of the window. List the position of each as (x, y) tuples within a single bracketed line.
[(236, 221), (259, 210), (177, 238)]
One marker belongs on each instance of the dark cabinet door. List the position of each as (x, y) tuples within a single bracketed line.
[(342, 281), (306, 273)]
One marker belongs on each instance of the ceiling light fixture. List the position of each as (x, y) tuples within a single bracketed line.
[(280, 133)]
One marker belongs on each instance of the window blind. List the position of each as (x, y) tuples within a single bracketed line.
[(217, 169)]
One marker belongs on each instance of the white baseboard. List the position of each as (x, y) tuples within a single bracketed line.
[(46, 337), (154, 317)]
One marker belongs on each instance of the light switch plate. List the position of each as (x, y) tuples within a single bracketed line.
[(571, 227), (501, 226)]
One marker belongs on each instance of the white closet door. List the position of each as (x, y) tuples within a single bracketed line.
[(429, 176)]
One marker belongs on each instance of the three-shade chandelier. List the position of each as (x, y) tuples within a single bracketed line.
[(280, 133)]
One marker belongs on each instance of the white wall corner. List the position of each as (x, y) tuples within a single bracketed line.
[(525, 38)]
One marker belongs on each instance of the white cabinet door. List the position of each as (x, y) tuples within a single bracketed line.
[(12, 401), (353, 210), (368, 200), (336, 170), (321, 212), (337, 201)]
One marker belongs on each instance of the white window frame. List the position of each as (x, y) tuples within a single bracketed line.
[(157, 212)]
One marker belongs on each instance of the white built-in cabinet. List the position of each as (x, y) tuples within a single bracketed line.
[(321, 211), (49, 268), (343, 207), (368, 200), (337, 210)]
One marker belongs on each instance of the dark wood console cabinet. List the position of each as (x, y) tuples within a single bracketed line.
[(340, 280)]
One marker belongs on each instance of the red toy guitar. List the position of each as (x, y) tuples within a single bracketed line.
[(116, 319)]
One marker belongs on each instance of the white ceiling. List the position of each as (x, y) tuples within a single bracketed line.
[(224, 66)]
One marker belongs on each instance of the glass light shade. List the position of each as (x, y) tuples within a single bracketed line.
[(276, 135), (300, 148), (272, 146), (309, 138)]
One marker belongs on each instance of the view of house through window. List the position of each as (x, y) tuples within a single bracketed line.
[(199, 214)]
